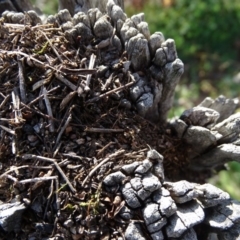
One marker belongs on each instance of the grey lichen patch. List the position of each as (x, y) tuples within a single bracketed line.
[(134, 232), (189, 235), (229, 128), (167, 205), (144, 167), (211, 131), (204, 139), (200, 116), (126, 213), (11, 215), (187, 216), (153, 218), (155, 42), (130, 196), (224, 216), (182, 191), (210, 195), (224, 106), (103, 28), (130, 168), (114, 178), (231, 233), (151, 182), (136, 183)]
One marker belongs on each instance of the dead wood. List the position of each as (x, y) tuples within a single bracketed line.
[(85, 143)]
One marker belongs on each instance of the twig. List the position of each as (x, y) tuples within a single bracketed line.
[(64, 80), (53, 48), (108, 82), (57, 149), (119, 152), (13, 169), (49, 110), (104, 148), (110, 92), (8, 130), (4, 101), (31, 156), (16, 25), (42, 95), (78, 71), (37, 179), (89, 76), (62, 130), (21, 81), (16, 105), (44, 65), (38, 112), (12, 178), (103, 130), (57, 199), (73, 155), (67, 99)]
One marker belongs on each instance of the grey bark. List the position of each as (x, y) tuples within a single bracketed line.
[(173, 207), (213, 142), (11, 215), (152, 98), (211, 130)]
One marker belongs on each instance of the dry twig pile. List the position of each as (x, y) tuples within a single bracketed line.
[(86, 151)]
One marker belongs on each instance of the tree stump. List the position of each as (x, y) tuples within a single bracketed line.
[(86, 146)]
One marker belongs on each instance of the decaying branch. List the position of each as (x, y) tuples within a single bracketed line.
[(107, 84)]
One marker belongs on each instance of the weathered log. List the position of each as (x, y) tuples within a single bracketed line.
[(110, 67), (173, 207)]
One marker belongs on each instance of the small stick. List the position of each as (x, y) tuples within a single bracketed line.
[(53, 48), (119, 152), (57, 199), (44, 65), (16, 104), (104, 130), (4, 101), (64, 80), (38, 112), (31, 156), (48, 200), (51, 29), (21, 81), (62, 129), (41, 96), (72, 155), (67, 99), (13, 169), (12, 178), (108, 82), (110, 92), (37, 179), (8, 130), (89, 76), (78, 71), (41, 167), (104, 148), (49, 110), (57, 149), (16, 25)]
